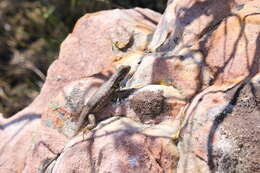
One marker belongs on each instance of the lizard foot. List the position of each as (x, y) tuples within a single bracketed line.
[(91, 124), (91, 121)]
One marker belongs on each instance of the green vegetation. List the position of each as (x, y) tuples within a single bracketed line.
[(30, 34)]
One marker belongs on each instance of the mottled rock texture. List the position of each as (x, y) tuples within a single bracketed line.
[(87, 51), (221, 132), (119, 146), (191, 101), (232, 51)]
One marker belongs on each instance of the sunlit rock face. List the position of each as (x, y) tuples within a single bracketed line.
[(190, 103)]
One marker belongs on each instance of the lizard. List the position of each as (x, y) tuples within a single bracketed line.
[(96, 102), (101, 98)]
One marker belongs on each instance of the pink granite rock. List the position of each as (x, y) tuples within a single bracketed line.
[(185, 21), (25, 144), (181, 71), (221, 132), (232, 51), (196, 77), (118, 146)]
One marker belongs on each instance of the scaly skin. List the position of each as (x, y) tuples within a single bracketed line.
[(101, 98)]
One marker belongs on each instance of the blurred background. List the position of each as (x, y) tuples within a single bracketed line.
[(30, 34)]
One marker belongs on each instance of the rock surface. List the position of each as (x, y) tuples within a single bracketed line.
[(119, 146), (232, 51), (185, 21), (181, 71), (191, 104), (222, 131), (90, 41)]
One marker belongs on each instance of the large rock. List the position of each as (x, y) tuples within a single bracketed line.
[(189, 93), (226, 34), (217, 136), (88, 50), (221, 132)]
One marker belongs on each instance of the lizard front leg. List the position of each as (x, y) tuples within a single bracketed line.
[(90, 125), (91, 121)]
